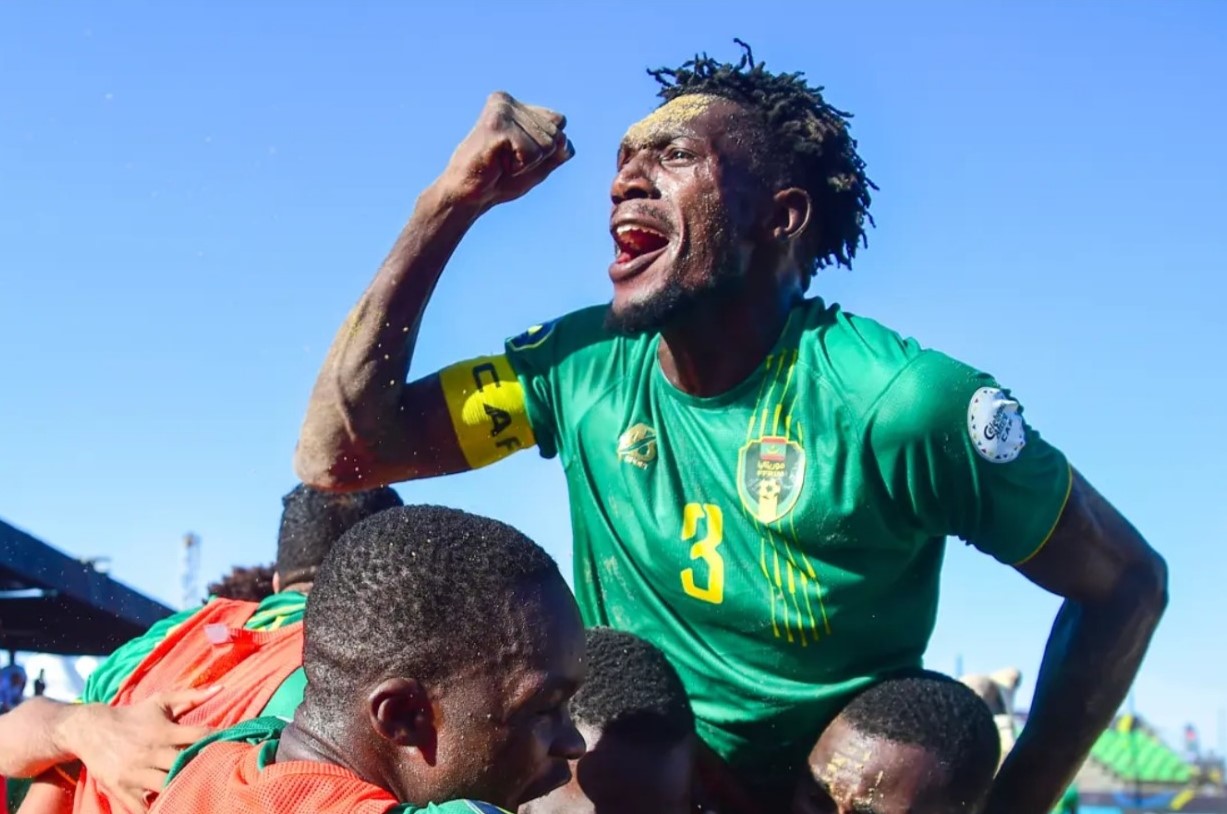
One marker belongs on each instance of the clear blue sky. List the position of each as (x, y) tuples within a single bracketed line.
[(192, 195)]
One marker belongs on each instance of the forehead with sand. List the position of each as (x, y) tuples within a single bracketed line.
[(666, 119)]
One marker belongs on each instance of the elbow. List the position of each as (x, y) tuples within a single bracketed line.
[(329, 471), (313, 470), (1146, 585)]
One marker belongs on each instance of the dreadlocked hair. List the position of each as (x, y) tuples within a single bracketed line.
[(807, 145)]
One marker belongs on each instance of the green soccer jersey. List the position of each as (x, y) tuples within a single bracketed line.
[(273, 612), (265, 732), (781, 542)]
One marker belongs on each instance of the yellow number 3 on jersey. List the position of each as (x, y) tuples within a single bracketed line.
[(705, 550)]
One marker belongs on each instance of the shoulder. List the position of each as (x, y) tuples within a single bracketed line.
[(249, 733), (584, 325), (104, 682), (889, 381), (858, 357), (580, 334)]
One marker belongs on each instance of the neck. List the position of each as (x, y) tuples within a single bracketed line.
[(302, 740), (715, 347)]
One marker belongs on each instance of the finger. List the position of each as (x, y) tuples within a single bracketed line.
[(177, 703), (148, 780), (540, 131), (528, 153), (180, 735), (163, 758), (556, 119)]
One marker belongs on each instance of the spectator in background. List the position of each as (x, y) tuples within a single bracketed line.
[(12, 686), (249, 584)]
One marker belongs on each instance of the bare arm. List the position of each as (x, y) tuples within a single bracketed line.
[(127, 749), (364, 425), (1115, 590), (36, 736)]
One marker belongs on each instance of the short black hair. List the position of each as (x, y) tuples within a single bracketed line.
[(632, 690), (807, 144), (249, 584), (312, 520), (937, 713), (415, 591)]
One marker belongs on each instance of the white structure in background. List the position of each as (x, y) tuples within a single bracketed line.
[(65, 675), (998, 691), (189, 572)]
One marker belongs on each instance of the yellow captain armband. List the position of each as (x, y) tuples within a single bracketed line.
[(486, 403)]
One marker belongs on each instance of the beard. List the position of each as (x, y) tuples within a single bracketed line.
[(678, 297)]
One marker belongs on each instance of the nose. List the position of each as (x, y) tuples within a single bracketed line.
[(568, 743), (633, 180)]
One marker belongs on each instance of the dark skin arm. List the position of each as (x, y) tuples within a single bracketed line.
[(364, 425), (1115, 590)]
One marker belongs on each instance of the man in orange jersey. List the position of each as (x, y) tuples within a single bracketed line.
[(149, 698), (441, 651)]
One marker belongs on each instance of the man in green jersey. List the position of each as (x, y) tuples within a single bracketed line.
[(761, 483), (441, 650), (127, 749)]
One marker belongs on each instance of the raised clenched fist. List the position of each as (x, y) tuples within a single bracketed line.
[(511, 149)]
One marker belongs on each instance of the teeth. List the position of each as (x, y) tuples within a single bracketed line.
[(631, 227)]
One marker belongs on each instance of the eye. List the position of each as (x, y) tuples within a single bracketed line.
[(677, 155)]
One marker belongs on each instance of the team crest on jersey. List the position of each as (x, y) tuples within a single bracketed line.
[(770, 473), (637, 446), (533, 337)]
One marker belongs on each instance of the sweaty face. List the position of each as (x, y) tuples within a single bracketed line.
[(848, 773), (685, 203), (505, 732), (619, 776)]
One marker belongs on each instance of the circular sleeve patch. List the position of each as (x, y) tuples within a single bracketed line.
[(995, 427)]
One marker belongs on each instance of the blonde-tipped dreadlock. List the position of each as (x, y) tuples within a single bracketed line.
[(807, 145)]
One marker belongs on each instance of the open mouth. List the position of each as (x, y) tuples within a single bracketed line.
[(633, 241)]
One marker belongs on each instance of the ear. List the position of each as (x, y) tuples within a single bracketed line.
[(791, 209), (276, 582), (401, 713)]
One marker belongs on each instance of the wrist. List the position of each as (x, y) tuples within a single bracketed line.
[(449, 200), (68, 721)]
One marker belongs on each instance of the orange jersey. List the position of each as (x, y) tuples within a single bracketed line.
[(231, 777), (210, 647), (236, 771)]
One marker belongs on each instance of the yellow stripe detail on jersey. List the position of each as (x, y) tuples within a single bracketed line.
[(486, 403)]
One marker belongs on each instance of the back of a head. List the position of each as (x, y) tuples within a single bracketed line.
[(312, 521), (636, 719), (245, 583), (942, 716), (632, 690), (414, 591)]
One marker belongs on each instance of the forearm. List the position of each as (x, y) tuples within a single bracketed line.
[(1092, 657), (358, 394), (36, 736)]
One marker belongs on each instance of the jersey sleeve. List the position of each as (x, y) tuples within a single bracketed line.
[(104, 682), (958, 458), (534, 358)]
